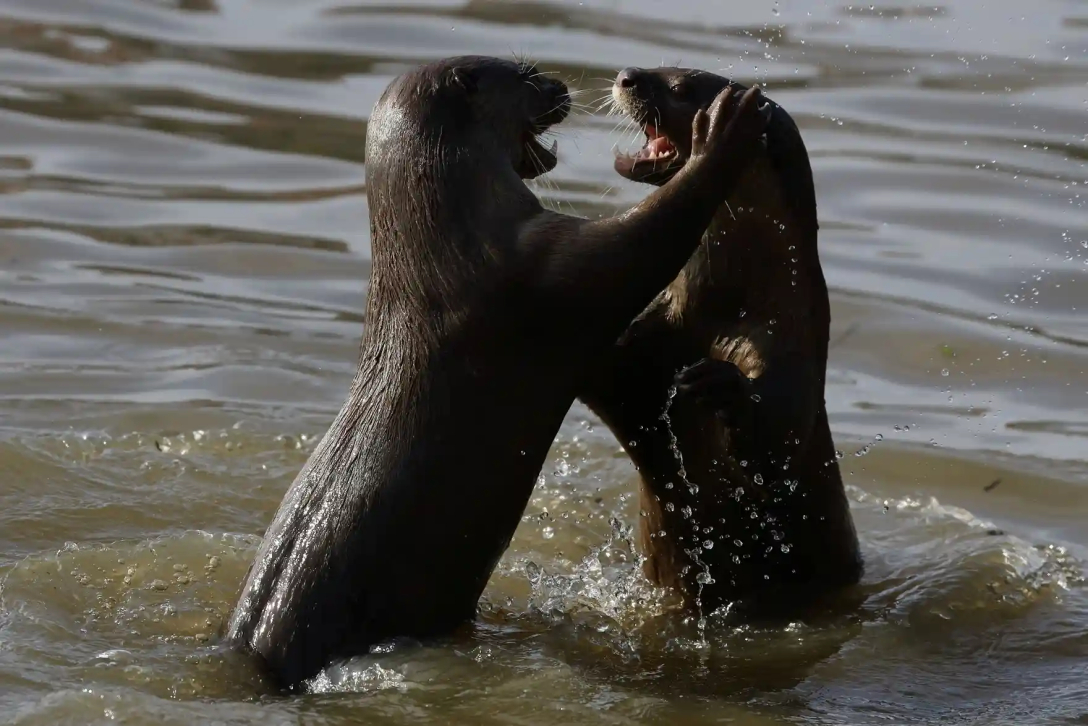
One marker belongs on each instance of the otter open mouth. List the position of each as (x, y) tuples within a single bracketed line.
[(537, 159), (655, 163)]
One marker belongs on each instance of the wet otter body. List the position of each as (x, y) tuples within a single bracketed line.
[(396, 522), (745, 506)]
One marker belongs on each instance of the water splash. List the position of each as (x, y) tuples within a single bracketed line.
[(703, 578)]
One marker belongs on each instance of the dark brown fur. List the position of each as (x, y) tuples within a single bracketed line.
[(752, 513), (468, 361)]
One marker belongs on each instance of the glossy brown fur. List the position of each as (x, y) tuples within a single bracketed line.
[(753, 295), (396, 522)]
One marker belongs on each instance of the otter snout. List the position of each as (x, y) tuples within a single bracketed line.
[(630, 77), (556, 102), (633, 91)]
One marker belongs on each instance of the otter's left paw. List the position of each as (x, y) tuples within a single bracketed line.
[(716, 383)]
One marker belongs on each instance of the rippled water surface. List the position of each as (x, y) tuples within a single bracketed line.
[(183, 261)]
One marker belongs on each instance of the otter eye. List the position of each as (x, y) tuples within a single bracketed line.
[(683, 91)]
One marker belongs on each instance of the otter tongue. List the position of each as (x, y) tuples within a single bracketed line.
[(658, 145)]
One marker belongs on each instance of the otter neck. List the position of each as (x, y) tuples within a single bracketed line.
[(754, 253), (437, 216), (761, 257)]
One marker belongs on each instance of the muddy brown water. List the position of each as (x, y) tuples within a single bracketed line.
[(183, 263)]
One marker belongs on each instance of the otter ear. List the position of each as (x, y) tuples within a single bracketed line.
[(462, 78)]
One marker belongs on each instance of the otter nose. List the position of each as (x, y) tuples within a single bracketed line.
[(628, 77)]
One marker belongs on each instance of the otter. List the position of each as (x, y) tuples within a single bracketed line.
[(469, 361), (716, 390)]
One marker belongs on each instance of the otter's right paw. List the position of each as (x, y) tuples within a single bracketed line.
[(717, 384)]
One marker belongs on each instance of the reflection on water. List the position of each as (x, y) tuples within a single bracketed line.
[(183, 236)]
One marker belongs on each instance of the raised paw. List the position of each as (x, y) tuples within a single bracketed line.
[(727, 128), (715, 383)]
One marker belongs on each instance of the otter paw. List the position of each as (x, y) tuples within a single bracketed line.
[(728, 127), (715, 383)]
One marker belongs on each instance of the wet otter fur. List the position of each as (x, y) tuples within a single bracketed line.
[(716, 390), (468, 362)]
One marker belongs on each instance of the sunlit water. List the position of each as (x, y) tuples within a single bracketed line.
[(183, 262)]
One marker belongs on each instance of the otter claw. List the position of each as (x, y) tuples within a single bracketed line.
[(555, 146)]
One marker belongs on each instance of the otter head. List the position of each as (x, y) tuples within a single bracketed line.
[(468, 108), (664, 101)]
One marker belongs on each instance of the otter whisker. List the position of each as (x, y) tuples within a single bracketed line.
[(610, 102), (726, 203), (543, 180)]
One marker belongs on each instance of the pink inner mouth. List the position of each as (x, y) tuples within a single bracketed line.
[(657, 146)]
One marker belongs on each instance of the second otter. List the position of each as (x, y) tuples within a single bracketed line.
[(742, 501)]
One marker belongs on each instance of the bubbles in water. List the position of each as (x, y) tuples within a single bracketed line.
[(548, 532)]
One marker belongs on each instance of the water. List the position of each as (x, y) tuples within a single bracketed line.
[(184, 246)]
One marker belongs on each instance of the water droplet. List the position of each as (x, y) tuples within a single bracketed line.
[(686, 511), (944, 372), (743, 462), (879, 437), (548, 532), (758, 478), (670, 507), (755, 397), (708, 544), (704, 578)]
